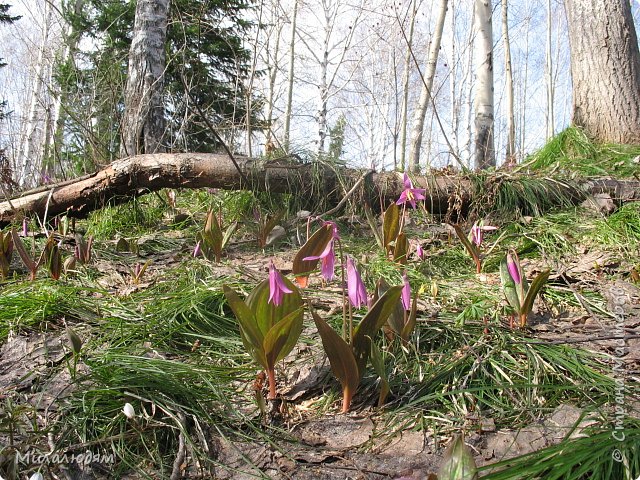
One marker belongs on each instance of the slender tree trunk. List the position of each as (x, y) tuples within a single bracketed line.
[(548, 75), (143, 118), (483, 47), (455, 102), (290, 78), (511, 124), (405, 87), (525, 82), (29, 160), (425, 93), (605, 67)]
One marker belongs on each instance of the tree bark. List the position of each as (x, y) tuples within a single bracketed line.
[(483, 47), (511, 123), (134, 176), (425, 93), (605, 69), (143, 119)]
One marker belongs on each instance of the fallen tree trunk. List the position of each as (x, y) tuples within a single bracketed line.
[(138, 175)]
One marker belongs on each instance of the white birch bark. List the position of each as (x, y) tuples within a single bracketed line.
[(290, 78), (30, 160), (511, 127), (425, 94), (484, 116), (548, 75), (408, 60), (143, 118)]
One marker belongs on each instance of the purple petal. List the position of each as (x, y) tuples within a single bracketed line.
[(408, 184), (406, 293), (476, 235), (277, 287), (196, 251), (514, 267), (328, 264), (419, 251), (355, 287)]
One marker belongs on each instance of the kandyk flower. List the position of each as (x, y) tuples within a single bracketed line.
[(355, 287), (198, 249), (328, 255), (128, 411), (477, 233), (277, 287), (406, 292), (419, 251), (410, 194), (513, 267)]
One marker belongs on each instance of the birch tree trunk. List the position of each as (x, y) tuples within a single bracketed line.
[(29, 161), (425, 94), (483, 49), (290, 78), (143, 118), (605, 68), (548, 75), (511, 126), (405, 87)]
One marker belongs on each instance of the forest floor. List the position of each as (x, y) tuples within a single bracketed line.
[(560, 395)]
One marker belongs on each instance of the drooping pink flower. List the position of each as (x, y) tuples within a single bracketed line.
[(419, 251), (513, 267), (197, 250), (406, 292), (328, 255), (477, 233), (277, 287), (410, 194), (355, 287)]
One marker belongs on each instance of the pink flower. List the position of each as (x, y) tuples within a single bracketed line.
[(513, 265), (355, 287), (25, 227), (419, 251), (477, 233), (406, 292), (196, 251), (328, 255), (277, 287), (410, 194)]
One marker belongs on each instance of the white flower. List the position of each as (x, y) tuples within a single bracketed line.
[(128, 411), (36, 476)]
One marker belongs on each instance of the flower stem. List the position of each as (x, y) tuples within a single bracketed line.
[(344, 291), (271, 375)]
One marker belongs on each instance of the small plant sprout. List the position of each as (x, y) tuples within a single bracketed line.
[(319, 246), (129, 411), (473, 241), (270, 321), (212, 239), (519, 294), (75, 345), (348, 360), (198, 248), (266, 223), (25, 227), (6, 252), (83, 249), (137, 272), (402, 320), (54, 258), (458, 462), (31, 264)]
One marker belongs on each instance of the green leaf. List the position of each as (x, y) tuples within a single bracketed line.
[(212, 234), (282, 337), (371, 323), (267, 314), (401, 248), (316, 244), (265, 229), (396, 318), (458, 462), (536, 285), (412, 320), (341, 358), (509, 286), (471, 248), (390, 226), (252, 337), (228, 232), (22, 251), (378, 366)]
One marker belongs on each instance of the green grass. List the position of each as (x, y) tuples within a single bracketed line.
[(571, 151)]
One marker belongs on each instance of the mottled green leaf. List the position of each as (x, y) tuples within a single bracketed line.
[(282, 337), (390, 226)]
